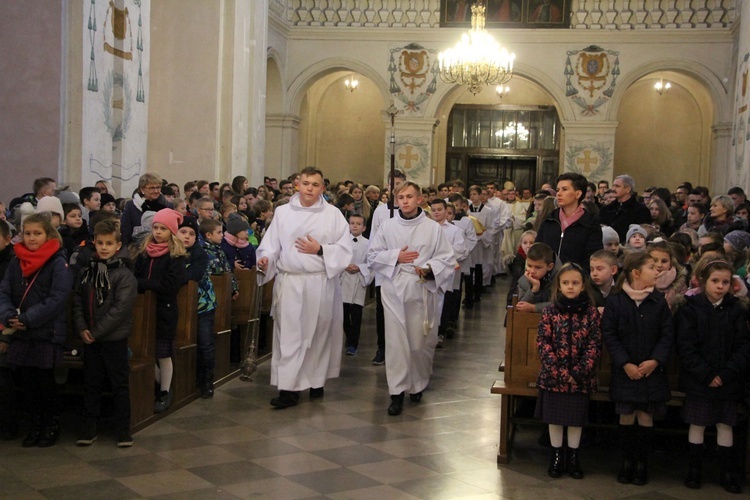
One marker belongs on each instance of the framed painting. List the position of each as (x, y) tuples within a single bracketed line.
[(508, 13)]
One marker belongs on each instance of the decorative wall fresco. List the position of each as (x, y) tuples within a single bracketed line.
[(115, 80), (413, 75), (591, 75), (592, 159)]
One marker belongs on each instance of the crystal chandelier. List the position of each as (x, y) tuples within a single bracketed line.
[(477, 59)]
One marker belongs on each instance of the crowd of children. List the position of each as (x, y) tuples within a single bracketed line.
[(674, 282), (644, 300)]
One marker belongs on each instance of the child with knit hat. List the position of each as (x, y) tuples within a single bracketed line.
[(636, 238), (611, 241), (52, 205), (736, 245), (160, 267), (239, 251)]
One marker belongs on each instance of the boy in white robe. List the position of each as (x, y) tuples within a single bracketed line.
[(481, 256), (381, 214), (457, 216), (416, 265), (455, 237), (306, 248), (354, 282)]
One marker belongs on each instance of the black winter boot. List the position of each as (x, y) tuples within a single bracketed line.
[(207, 385), (574, 466), (556, 463), (32, 438), (693, 479), (627, 445), (726, 459), (50, 433), (642, 449)]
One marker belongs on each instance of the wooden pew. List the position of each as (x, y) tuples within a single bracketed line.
[(142, 344), (223, 326), (186, 348)]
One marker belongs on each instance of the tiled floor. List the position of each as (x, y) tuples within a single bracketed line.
[(343, 446)]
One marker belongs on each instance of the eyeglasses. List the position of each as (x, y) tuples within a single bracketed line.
[(207, 209), (152, 188)]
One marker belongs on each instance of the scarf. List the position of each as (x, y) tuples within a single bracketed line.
[(235, 241), (32, 261), (574, 305), (99, 277), (637, 295), (154, 249), (138, 200), (666, 278), (566, 221), (520, 252)]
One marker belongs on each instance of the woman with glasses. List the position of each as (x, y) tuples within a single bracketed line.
[(147, 197)]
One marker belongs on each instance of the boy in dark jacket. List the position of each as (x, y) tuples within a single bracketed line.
[(103, 316), (535, 285), (197, 270)]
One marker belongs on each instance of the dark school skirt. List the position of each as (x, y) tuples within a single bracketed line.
[(657, 409), (44, 355), (562, 408), (708, 412), (164, 348)]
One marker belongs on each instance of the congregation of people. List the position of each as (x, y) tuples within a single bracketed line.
[(646, 275)]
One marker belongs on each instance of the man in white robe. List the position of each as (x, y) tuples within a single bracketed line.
[(305, 248), (502, 218), (415, 263)]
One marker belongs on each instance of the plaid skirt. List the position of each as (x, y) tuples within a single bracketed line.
[(44, 355), (708, 412), (657, 409), (164, 348), (562, 408)]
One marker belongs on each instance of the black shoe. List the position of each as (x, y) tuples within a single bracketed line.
[(556, 463), (416, 397), (397, 404), (727, 460), (124, 439), (163, 402), (207, 390), (32, 438), (316, 392), (574, 466), (693, 479), (50, 434), (379, 358), (88, 435), (625, 476), (285, 399), (640, 475)]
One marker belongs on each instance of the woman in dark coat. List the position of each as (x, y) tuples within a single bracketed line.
[(571, 232), (33, 296), (713, 344), (148, 197), (638, 332)]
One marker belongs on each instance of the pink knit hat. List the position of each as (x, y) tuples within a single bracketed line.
[(170, 218)]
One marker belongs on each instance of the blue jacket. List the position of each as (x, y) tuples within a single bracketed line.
[(43, 310), (197, 270), (245, 255)]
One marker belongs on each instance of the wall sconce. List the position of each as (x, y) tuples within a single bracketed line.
[(502, 91), (662, 87), (351, 83)]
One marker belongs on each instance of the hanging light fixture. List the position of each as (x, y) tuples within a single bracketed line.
[(351, 83), (502, 91), (662, 86), (477, 59)]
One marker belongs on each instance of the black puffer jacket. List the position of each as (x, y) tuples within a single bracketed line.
[(164, 275), (634, 334), (580, 240), (712, 341), (113, 318)]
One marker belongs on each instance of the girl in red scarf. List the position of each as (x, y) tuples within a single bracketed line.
[(33, 296), (160, 267)]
